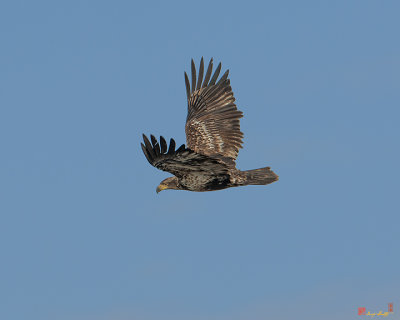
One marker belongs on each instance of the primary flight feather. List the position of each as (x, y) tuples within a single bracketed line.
[(213, 139)]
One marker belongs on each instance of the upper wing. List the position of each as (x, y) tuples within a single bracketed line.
[(181, 161), (212, 124)]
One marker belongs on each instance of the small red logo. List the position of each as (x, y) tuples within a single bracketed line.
[(362, 311)]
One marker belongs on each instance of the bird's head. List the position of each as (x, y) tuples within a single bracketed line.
[(169, 183)]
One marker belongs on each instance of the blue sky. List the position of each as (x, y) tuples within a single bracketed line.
[(84, 236)]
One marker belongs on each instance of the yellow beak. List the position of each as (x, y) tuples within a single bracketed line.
[(161, 187)]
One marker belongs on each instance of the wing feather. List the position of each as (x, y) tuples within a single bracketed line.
[(208, 74), (146, 153), (201, 71), (163, 144), (216, 74), (193, 76), (181, 161), (187, 86), (171, 149), (212, 124), (156, 146), (149, 147)]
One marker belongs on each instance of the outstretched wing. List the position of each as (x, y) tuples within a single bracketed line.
[(181, 161), (212, 124)]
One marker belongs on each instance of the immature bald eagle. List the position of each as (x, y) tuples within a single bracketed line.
[(213, 140)]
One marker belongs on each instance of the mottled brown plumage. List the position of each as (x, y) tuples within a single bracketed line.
[(213, 140)]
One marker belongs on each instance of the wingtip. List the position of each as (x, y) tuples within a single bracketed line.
[(163, 145), (171, 148)]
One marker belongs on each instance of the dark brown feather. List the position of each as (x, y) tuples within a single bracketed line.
[(183, 161), (149, 147), (201, 71), (216, 74), (187, 86), (193, 76), (212, 124), (163, 144), (181, 148), (171, 149), (208, 74), (146, 153), (156, 146)]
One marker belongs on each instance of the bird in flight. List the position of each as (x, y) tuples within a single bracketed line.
[(213, 139)]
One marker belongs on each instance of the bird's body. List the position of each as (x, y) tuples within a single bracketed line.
[(213, 140)]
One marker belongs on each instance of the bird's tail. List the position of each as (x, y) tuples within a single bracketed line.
[(260, 176)]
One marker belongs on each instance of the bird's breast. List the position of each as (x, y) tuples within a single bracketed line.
[(199, 182)]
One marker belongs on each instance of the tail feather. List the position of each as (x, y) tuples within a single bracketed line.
[(260, 176)]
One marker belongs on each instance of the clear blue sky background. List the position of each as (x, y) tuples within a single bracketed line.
[(84, 236)]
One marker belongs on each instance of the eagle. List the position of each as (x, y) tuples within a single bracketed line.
[(213, 140)]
